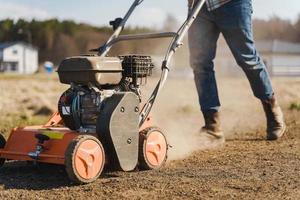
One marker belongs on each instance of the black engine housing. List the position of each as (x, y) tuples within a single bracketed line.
[(81, 105)]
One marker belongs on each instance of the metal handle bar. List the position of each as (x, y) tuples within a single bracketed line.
[(135, 37), (106, 47), (176, 43)]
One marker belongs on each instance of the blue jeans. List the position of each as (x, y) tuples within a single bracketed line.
[(234, 21)]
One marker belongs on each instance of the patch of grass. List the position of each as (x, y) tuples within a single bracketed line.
[(38, 76), (295, 106), (8, 122), (187, 109)]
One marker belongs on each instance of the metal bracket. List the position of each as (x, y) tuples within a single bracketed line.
[(39, 147)]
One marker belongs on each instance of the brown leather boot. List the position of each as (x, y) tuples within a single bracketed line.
[(212, 124), (275, 120)]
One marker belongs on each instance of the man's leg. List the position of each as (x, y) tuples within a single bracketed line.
[(203, 36), (235, 22)]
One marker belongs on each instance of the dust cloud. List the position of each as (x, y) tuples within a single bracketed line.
[(177, 112)]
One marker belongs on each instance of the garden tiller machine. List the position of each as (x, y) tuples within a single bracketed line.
[(100, 119)]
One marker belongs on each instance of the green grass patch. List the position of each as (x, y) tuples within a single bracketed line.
[(295, 106), (186, 109), (8, 122), (38, 76)]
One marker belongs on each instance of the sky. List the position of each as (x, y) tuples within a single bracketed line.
[(151, 13)]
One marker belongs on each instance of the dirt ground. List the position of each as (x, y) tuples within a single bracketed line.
[(245, 167)]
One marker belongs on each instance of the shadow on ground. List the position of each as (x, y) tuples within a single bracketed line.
[(23, 175), (26, 175)]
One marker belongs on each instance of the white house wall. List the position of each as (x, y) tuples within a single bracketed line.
[(286, 64), (26, 57), (31, 61), (277, 64), (9, 56)]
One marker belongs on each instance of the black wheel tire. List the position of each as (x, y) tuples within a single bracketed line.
[(2, 145), (70, 159), (144, 164)]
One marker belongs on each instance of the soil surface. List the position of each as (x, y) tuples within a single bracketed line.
[(245, 167)]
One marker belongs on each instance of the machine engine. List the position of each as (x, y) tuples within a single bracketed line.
[(95, 80)]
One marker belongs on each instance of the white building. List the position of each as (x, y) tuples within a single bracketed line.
[(18, 57), (281, 58)]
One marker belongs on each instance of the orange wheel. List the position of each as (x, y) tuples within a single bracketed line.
[(153, 149), (84, 159)]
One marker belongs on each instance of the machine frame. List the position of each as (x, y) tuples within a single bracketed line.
[(49, 143)]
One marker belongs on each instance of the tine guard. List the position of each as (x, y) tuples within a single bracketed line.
[(22, 142)]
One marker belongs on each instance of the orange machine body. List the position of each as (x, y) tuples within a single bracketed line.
[(22, 141)]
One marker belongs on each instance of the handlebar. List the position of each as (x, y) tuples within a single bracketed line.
[(174, 46)]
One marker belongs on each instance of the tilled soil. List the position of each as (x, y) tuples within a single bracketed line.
[(249, 168), (245, 167)]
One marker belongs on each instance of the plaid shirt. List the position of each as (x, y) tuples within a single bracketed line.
[(214, 4), (211, 4)]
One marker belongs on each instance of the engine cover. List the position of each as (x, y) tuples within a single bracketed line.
[(91, 69)]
